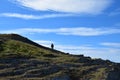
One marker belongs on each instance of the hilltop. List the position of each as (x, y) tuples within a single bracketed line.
[(23, 59)]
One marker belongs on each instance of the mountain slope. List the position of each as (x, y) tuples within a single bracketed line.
[(22, 39), (22, 59)]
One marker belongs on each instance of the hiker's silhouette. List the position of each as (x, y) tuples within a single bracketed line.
[(52, 46)]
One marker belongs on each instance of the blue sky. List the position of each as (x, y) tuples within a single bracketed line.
[(89, 27)]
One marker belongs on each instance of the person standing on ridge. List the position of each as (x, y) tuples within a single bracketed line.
[(52, 46)]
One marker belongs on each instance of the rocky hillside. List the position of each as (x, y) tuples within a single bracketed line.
[(22, 59)]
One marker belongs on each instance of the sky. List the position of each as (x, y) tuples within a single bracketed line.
[(88, 27)]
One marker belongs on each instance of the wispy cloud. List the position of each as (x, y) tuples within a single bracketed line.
[(27, 16), (46, 43), (86, 49), (111, 44), (71, 6), (80, 31), (83, 31)]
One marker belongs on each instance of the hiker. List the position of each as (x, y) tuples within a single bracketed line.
[(52, 46)]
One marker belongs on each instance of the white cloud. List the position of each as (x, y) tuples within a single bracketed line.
[(83, 31), (26, 16), (110, 44), (16, 15), (72, 6), (80, 31)]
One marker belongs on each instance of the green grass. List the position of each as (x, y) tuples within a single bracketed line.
[(99, 74), (18, 48)]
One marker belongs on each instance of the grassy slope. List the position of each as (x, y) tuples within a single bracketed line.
[(23, 59), (18, 48)]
